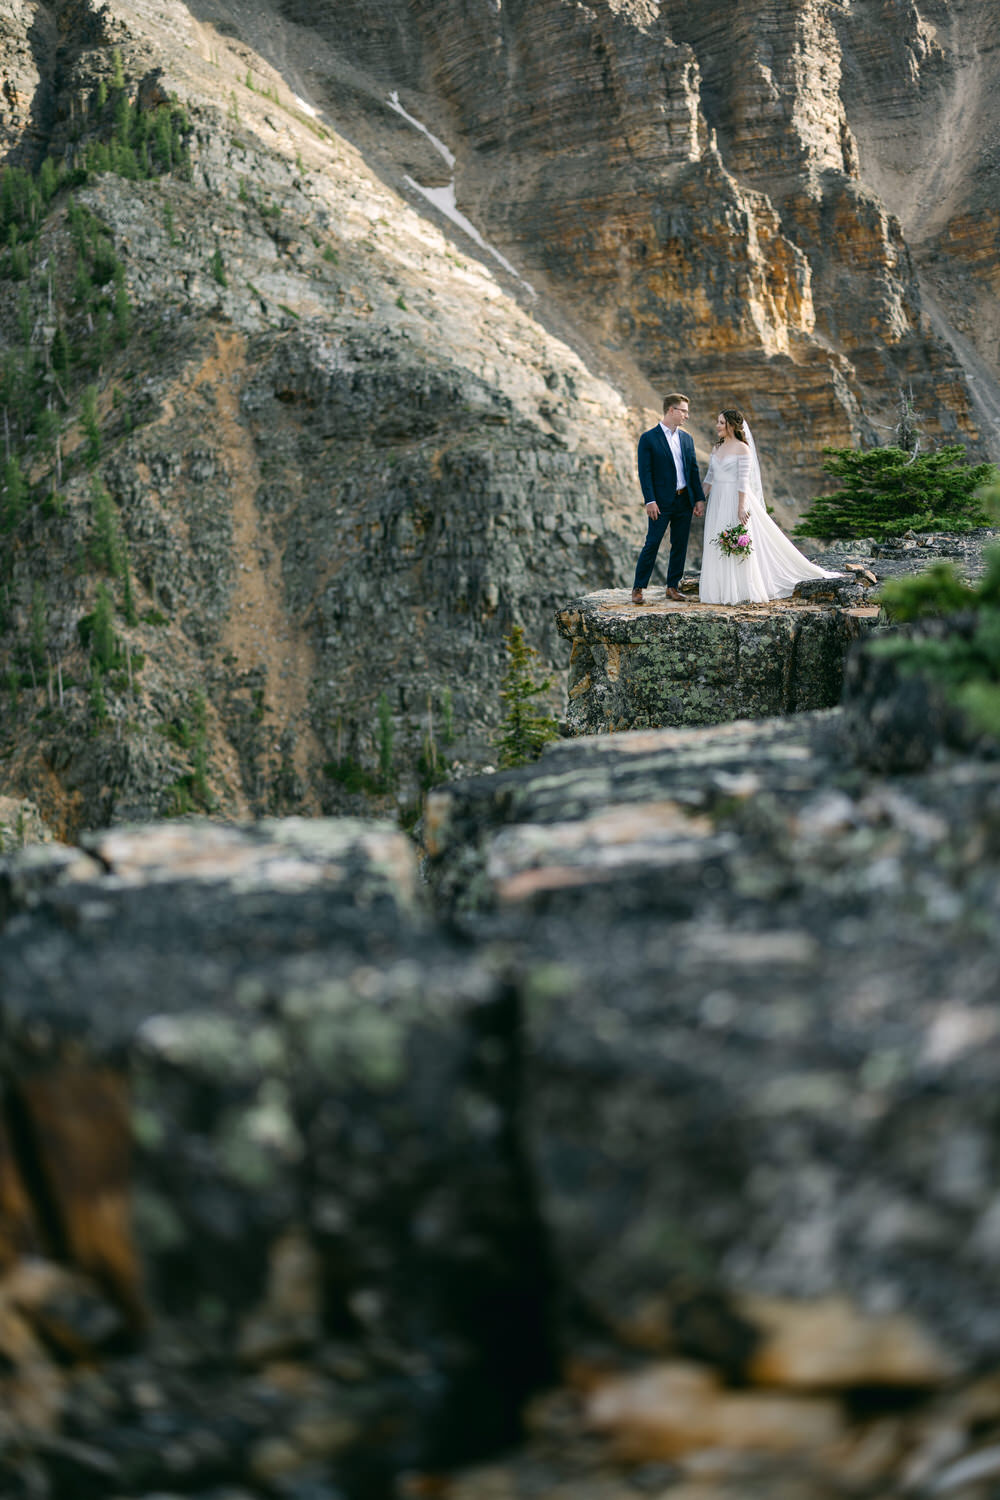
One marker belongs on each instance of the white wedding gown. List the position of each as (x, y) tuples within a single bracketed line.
[(774, 566)]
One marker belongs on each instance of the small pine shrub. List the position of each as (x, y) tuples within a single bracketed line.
[(352, 776), (60, 353), (48, 179), (525, 729), (90, 423), (886, 491), (385, 739), (936, 591), (106, 545), (217, 266), (14, 496), (20, 265), (38, 629), (104, 264), (83, 287), (965, 659), (103, 642), (447, 718)]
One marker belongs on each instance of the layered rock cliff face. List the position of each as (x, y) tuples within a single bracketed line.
[(735, 195), (347, 444)]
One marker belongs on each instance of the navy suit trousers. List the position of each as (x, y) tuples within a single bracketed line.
[(679, 521)]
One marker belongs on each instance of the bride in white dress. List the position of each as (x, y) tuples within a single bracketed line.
[(734, 493)]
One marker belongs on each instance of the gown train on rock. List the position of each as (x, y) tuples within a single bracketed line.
[(774, 565)]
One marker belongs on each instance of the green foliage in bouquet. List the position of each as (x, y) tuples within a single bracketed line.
[(964, 658), (886, 491), (525, 729)]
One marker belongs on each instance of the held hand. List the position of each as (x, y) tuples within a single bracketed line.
[(699, 509), (653, 510)]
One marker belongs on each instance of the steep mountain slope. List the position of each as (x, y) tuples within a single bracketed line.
[(349, 440), (343, 460)]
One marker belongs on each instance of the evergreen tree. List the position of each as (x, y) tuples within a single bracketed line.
[(106, 545), (886, 491), (525, 728), (48, 179), (90, 422), (15, 493), (103, 645), (38, 622), (59, 353)]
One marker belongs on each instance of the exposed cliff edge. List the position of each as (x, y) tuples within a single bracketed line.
[(674, 664), (667, 663)]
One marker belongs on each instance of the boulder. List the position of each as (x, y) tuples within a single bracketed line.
[(273, 1114), (758, 1026)]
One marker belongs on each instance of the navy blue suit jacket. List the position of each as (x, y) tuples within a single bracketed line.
[(658, 473)]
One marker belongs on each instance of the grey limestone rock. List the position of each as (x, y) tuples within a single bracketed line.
[(299, 1053), (642, 667)]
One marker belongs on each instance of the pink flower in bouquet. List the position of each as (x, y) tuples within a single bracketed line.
[(735, 542)]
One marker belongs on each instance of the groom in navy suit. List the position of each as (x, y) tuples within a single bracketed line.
[(671, 488)]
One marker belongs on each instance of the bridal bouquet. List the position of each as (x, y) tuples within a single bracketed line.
[(735, 541)]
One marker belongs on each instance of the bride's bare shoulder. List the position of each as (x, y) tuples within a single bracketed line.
[(742, 448)]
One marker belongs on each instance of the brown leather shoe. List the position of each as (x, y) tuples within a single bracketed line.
[(637, 597), (674, 594)]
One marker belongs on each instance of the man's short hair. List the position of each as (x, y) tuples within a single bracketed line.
[(674, 399)]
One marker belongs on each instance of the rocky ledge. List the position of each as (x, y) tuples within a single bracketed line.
[(667, 663), (672, 664)]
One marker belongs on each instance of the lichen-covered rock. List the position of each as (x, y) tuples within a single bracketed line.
[(21, 824), (643, 667), (715, 1074), (221, 1044), (749, 965)]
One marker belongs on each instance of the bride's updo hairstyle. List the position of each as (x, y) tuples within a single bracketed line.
[(734, 419)]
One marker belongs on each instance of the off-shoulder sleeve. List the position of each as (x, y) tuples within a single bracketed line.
[(709, 473), (743, 471)]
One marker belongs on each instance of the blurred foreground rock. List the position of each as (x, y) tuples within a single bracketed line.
[(677, 1105), (341, 1274)]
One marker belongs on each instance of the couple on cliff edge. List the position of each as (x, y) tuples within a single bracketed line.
[(746, 558)]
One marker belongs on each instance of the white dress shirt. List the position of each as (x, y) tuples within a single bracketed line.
[(674, 439)]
